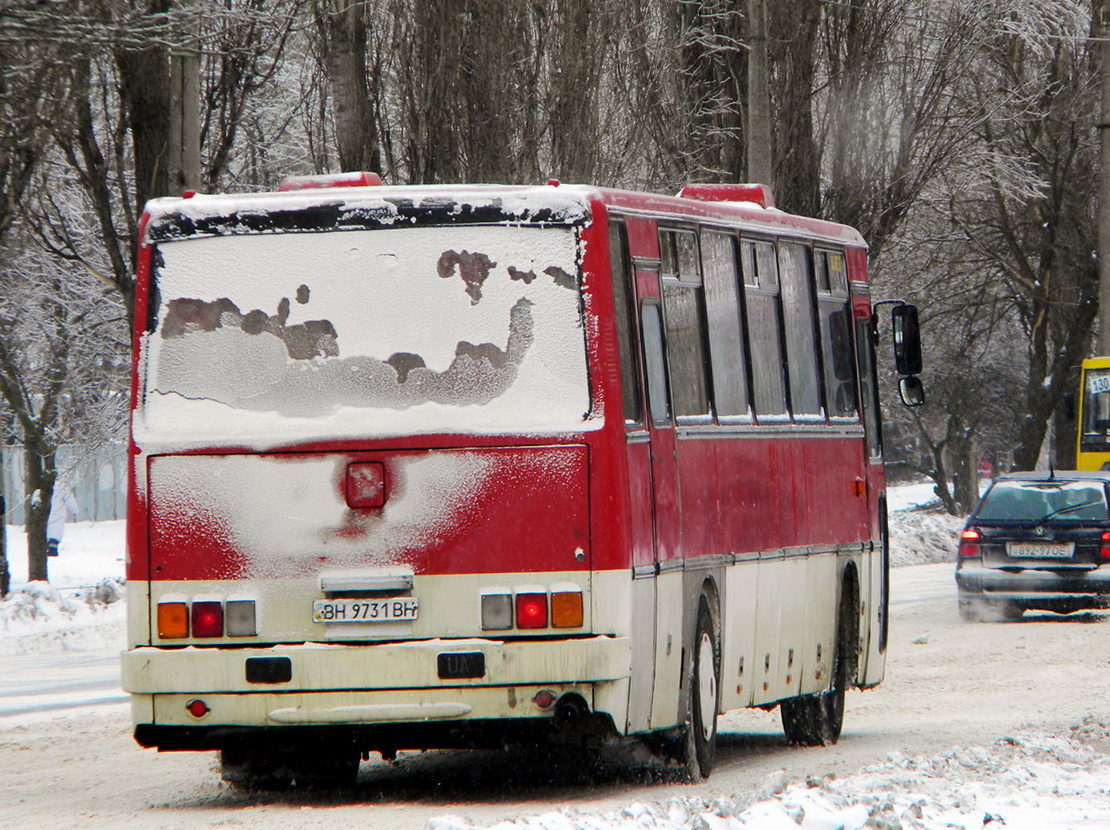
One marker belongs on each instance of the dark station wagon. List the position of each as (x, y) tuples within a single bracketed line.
[(1036, 541)]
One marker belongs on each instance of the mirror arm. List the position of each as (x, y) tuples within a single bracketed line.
[(875, 309)]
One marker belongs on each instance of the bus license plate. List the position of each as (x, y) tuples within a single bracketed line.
[(384, 609), (1040, 550)]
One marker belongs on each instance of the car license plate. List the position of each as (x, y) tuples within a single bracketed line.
[(1040, 550), (383, 609)]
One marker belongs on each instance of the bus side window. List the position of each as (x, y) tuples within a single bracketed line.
[(865, 358), (835, 318), (801, 343), (655, 363), (726, 333), (761, 289), (684, 319), (620, 262)]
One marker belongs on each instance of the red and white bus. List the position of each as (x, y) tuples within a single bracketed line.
[(456, 466)]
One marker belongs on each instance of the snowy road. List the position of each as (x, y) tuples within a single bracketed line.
[(948, 684), (36, 683)]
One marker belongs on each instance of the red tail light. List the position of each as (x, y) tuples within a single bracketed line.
[(208, 619), (969, 543), (531, 610), (1104, 546)]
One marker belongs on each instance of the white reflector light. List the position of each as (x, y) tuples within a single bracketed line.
[(239, 618), (497, 611)]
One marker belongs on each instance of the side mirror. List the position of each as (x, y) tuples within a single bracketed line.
[(911, 390), (907, 340)]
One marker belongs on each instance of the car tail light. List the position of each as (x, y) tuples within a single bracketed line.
[(173, 620), (969, 543), (497, 611), (531, 610), (208, 619), (1104, 546), (566, 609), (239, 617)]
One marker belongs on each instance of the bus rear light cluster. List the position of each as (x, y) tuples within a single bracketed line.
[(206, 618), (532, 608), (1104, 546)]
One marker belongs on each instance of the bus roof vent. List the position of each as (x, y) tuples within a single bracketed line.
[(760, 194), (355, 179)]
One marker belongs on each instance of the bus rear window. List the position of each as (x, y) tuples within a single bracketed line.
[(367, 333)]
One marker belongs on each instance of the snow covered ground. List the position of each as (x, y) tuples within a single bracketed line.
[(80, 609), (1025, 781)]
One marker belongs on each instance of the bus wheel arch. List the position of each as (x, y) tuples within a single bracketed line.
[(695, 745)]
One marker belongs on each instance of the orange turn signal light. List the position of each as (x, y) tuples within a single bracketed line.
[(566, 609), (173, 620)]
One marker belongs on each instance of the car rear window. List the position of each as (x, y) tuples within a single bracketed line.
[(1036, 501)]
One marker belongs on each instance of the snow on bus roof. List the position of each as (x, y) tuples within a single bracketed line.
[(179, 217), (378, 205), (749, 215)]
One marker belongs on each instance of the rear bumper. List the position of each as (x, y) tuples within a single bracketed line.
[(365, 685), (1037, 588)]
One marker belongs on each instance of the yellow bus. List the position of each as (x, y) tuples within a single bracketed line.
[(1093, 449)]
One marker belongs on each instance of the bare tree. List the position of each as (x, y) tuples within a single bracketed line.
[(998, 249), (1030, 221), (62, 373), (892, 118)]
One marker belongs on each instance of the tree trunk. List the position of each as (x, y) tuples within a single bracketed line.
[(942, 490), (965, 469), (1066, 433), (145, 94), (759, 103), (40, 472), (343, 28), (5, 573), (794, 66)]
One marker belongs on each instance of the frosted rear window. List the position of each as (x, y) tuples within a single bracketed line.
[(353, 333)]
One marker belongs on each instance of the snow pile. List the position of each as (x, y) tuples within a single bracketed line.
[(65, 615), (1031, 781), (923, 536), (81, 608)]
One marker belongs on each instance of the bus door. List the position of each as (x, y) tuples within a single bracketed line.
[(637, 457), (872, 655), (667, 510)]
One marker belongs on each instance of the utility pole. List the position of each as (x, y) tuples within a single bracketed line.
[(5, 573), (1102, 31), (184, 138), (759, 97)]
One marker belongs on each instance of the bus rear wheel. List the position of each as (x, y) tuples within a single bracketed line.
[(695, 748), (816, 720)]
